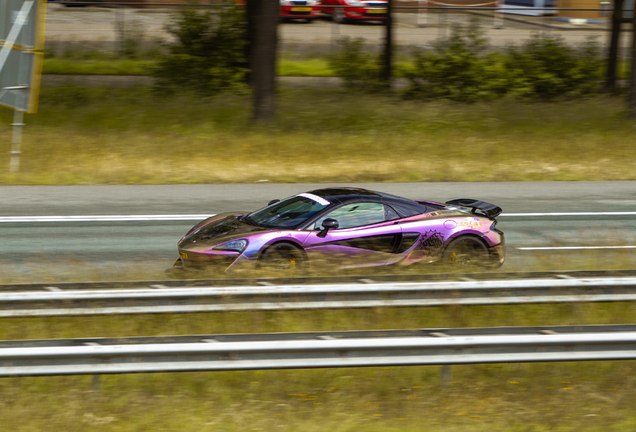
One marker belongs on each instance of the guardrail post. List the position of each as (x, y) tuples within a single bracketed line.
[(447, 376), (96, 383)]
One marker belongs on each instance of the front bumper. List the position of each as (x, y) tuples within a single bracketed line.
[(299, 12), (212, 261)]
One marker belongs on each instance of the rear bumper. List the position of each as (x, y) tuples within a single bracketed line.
[(365, 13), (497, 254)]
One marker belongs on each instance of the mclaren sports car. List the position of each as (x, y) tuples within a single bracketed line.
[(346, 227)]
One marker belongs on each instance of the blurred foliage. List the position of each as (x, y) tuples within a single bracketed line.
[(359, 70), (209, 55), (547, 67), (458, 68), (463, 67)]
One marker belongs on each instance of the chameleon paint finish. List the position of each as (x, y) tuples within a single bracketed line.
[(374, 229)]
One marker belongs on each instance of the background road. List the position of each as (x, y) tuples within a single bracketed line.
[(106, 25), (529, 218)]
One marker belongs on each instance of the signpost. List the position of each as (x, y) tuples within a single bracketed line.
[(21, 52)]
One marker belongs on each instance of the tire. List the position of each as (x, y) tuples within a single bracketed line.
[(466, 253), (285, 259), (339, 16)]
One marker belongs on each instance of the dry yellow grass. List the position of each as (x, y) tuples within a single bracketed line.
[(93, 136)]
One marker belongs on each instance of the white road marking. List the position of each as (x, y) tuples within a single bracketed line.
[(104, 218), (190, 217), (568, 214), (575, 247)]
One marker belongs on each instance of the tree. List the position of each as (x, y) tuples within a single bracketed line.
[(631, 101), (262, 19), (612, 61), (387, 74), (208, 55)]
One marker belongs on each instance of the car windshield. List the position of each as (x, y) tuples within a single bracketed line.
[(288, 213)]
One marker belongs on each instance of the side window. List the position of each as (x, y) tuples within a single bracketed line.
[(390, 214), (354, 215), (407, 211)]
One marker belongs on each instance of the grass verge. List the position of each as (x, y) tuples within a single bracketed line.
[(133, 136), (595, 396), (112, 65)]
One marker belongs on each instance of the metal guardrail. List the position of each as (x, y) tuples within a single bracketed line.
[(323, 296), (317, 350)]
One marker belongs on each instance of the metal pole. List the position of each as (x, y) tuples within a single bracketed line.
[(388, 46), (335, 33), (18, 118), (498, 21), (422, 14), (120, 28)]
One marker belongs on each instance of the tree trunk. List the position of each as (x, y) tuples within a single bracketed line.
[(388, 47), (631, 101), (262, 19), (612, 61)]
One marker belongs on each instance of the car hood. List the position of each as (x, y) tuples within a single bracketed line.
[(220, 230)]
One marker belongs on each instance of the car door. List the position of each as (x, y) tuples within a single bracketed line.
[(364, 237)]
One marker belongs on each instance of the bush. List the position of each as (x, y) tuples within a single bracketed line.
[(209, 55), (358, 69), (460, 68), (457, 68), (546, 67)]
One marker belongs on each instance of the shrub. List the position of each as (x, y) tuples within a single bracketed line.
[(209, 53), (546, 67), (460, 68), (359, 69), (457, 68)]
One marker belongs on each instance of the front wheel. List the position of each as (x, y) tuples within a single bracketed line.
[(466, 253), (284, 259)]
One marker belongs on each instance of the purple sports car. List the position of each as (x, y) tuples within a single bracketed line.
[(346, 227)]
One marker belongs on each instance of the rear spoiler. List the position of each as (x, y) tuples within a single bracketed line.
[(491, 211)]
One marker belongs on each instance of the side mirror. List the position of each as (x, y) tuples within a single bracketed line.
[(274, 201), (328, 224)]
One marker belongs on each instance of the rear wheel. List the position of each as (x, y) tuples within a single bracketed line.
[(284, 259), (466, 253)]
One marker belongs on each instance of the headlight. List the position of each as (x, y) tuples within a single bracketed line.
[(234, 245), (285, 2)]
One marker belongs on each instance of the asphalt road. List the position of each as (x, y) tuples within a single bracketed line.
[(536, 215)]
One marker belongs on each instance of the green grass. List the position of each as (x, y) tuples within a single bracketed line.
[(70, 66), (595, 396), (111, 65), (62, 66), (133, 136)]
